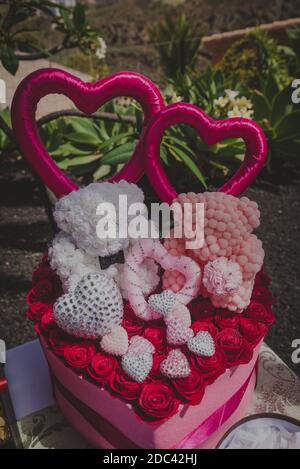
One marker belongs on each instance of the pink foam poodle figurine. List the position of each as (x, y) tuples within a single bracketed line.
[(231, 255)]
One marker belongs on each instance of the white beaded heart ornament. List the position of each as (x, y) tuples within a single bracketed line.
[(94, 310)]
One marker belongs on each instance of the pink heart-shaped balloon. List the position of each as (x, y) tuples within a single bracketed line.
[(211, 132), (87, 97)]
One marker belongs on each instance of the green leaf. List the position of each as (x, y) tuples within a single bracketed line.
[(84, 138), (282, 104), (113, 140), (67, 149), (65, 17), (191, 165), (271, 87), (119, 155), (79, 161), (82, 125), (9, 59), (261, 106), (288, 126), (102, 172), (79, 16), (164, 155)]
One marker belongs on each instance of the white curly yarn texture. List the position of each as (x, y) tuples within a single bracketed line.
[(76, 214), (71, 264)]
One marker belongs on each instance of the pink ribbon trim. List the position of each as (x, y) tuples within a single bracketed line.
[(200, 434)]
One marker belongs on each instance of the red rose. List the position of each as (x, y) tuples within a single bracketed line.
[(132, 324), (157, 401), (59, 340), (37, 309), (155, 372), (202, 310), (226, 319), (45, 291), (124, 386), (236, 349), (43, 271), (191, 389), (102, 367), (37, 328), (157, 336), (79, 356), (47, 320), (205, 326), (262, 295), (262, 279), (252, 330), (260, 313), (210, 367)]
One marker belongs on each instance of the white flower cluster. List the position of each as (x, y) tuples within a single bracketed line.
[(76, 214), (101, 50), (233, 105), (171, 95)]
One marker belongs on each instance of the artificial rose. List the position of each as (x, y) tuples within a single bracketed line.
[(45, 291), (36, 310), (262, 295), (205, 326), (59, 340), (260, 313), (132, 324), (235, 348), (79, 355), (155, 372), (157, 401), (190, 389), (225, 319), (202, 310), (157, 336), (124, 386), (47, 321), (262, 279), (102, 367), (210, 367), (43, 271), (252, 330)]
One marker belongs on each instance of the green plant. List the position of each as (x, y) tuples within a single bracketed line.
[(183, 150), (5, 141), (280, 120), (178, 43), (19, 34), (91, 149), (253, 57)]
